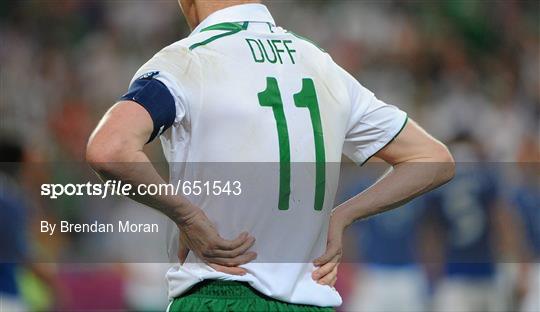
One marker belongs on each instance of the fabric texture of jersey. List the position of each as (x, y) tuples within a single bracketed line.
[(247, 91)]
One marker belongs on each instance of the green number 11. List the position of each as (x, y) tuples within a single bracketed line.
[(307, 97)]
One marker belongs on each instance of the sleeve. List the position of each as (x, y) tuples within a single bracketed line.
[(372, 125), (159, 93)]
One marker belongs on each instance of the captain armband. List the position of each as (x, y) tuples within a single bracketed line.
[(156, 98)]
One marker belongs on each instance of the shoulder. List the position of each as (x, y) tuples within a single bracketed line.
[(315, 55), (175, 60), (310, 44), (186, 45), (322, 58), (190, 44), (175, 54), (180, 55)]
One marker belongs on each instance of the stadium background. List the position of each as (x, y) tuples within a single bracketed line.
[(467, 70)]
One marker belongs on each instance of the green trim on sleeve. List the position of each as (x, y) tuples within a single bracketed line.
[(230, 28), (385, 145)]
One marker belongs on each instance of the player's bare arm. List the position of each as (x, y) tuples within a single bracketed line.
[(115, 151), (419, 163)]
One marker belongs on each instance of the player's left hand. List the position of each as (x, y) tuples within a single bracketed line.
[(327, 264)]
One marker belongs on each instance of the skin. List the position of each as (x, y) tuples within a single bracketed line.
[(115, 151), (196, 11), (419, 163)]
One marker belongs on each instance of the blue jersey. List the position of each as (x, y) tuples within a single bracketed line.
[(390, 238), (527, 199), (12, 236), (464, 207)]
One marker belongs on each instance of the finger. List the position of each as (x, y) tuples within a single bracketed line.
[(331, 252), (229, 270), (232, 262), (327, 279), (225, 244), (323, 270), (235, 252), (326, 268)]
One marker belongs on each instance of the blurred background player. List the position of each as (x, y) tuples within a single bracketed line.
[(468, 214), (13, 231), (383, 254), (388, 263), (17, 267), (525, 197)]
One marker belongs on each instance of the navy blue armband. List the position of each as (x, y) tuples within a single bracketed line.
[(156, 98)]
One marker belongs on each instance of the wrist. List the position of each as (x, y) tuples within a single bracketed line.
[(186, 214), (340, 219)]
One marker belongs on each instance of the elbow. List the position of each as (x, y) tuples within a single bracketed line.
[(446, 166), (97, 157), (101, 156)]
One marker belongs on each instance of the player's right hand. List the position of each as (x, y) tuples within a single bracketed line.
[(199, 235)]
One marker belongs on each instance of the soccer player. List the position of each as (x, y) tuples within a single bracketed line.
[(14, 239), (388, 247), (470, 214), (241, 89), (525, 197), (13, 227)]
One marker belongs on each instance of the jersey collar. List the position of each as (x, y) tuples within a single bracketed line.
[(252, 12)]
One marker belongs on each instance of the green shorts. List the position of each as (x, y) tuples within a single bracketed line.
[(214, 295)]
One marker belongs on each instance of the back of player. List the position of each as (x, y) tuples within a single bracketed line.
[(265, 106), (260, 105)]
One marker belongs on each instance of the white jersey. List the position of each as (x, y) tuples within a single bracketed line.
[(256, 95)]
